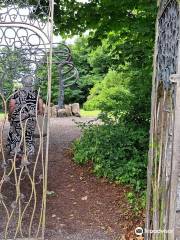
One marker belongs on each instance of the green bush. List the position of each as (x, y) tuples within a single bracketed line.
[(110, 94), (118, 152), (118, 147)]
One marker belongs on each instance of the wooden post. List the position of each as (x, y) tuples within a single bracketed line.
[(151, 153), (175, 172)]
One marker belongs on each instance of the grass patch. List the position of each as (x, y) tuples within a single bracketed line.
[(93, 113)]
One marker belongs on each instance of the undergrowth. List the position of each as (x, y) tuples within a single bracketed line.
[(118, 153)]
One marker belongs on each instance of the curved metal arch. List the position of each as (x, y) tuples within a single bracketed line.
[(30, 27)]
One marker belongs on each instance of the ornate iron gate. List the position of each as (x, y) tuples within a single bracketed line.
[(26, 30), (163, 203)]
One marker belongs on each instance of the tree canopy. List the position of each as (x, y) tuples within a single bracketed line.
[(74, 17)]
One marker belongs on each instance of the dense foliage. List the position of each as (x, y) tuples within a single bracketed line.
[(122, 56), (118, 147), (75, 17), (118, 152)]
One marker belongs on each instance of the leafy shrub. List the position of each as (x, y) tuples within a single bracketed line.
[(118, 147), (110, 95), (118, 152), (138, 201)]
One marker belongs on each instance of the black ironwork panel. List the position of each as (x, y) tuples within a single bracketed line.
[(168, 41)]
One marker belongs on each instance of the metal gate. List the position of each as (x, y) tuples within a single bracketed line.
[(26, 30)]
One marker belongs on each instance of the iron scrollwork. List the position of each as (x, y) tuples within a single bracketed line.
[(168, 42)]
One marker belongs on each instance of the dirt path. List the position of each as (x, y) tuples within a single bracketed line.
[(82, 206)]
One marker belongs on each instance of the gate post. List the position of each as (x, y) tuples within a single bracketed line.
[(175, 170), (163, 187)]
